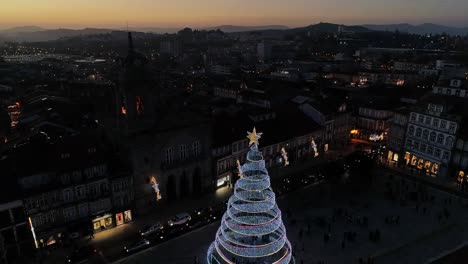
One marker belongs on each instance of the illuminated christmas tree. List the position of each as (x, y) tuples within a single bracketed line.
[(251, 230)]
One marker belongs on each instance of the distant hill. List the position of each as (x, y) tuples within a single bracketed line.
[(50, 34), (421, 29), (232, 29), (21, 29), (329, 27), (156, 30)]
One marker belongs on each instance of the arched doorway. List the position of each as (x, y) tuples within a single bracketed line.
[(171, 188), (197, 181)]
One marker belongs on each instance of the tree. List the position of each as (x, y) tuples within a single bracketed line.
[(252, 230)]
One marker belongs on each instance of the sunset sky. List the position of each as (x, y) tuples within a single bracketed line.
[(199, 13)]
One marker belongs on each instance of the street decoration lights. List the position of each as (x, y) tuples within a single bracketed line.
[(314, 147), (155, 186), (252, 230), (284, 154)]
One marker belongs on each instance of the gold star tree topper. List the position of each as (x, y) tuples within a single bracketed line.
[(253, 137)]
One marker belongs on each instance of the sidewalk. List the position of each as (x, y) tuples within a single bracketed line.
[(111, 242), (442, 184)]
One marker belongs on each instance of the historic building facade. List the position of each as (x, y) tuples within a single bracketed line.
[(430, 139)]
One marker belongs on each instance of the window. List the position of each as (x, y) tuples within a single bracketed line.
[(83, 210), (437, 153), (65, 178), (418, 132), (169, 155), (409, 143), (428, 120), (449, 141), (457, 92), (449, 91), (421, 119), (440, 139), (445, 156), (93, 190), (183, 152), (411, 130), (69, 213), (433, 136), (48, 217), (67, 195), (423, 148), (196, 148), (416, 145), (80, 191), (65, 155), (430, 150), (436, 123), (413, 117), (91, 150), (443, 124), (426, 134), (452, 127)]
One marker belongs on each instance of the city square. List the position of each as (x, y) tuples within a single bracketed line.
[(409, 233)]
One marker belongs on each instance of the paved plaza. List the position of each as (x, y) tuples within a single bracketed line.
[(349, 228)]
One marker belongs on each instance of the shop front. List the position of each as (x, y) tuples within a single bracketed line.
[(102, 223), (393, 157), (422, 164), (123, 217), (223, 180)]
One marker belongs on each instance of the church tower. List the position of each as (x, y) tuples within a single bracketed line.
[(139, 92)]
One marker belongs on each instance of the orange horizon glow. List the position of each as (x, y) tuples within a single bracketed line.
[(200, 13)]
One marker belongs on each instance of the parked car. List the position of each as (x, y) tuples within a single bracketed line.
[(82, 255), (137, 245), (179, 219), (151, 229)]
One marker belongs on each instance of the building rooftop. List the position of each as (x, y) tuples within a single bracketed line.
[(278, 129)]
